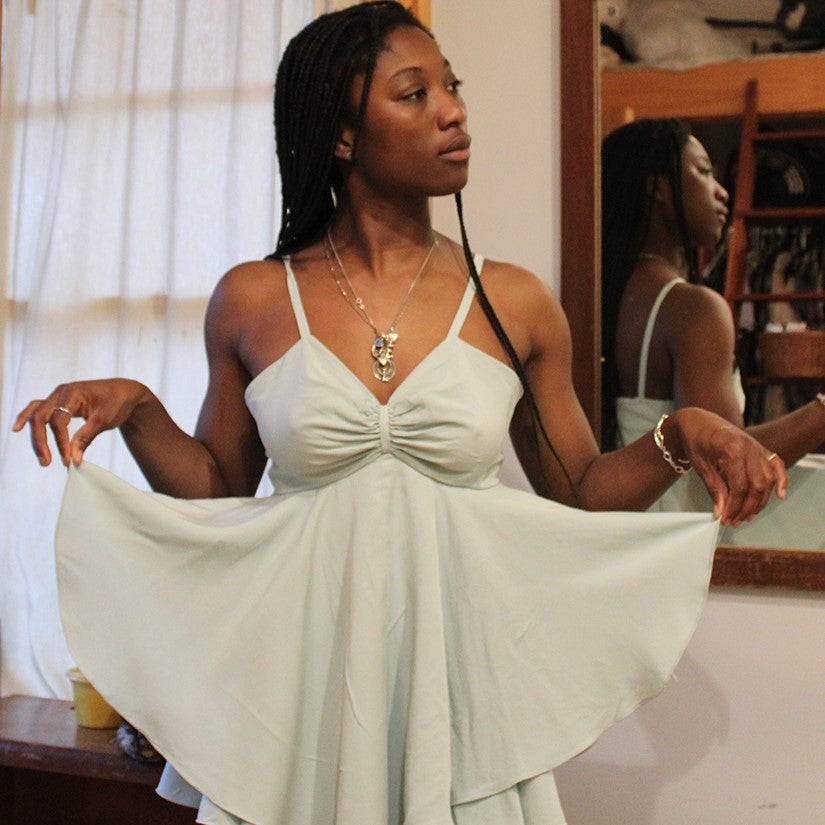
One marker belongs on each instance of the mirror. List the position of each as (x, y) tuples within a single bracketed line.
[(580, 136)]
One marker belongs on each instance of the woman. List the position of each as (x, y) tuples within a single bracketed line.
[(391, 636), (668, 339)]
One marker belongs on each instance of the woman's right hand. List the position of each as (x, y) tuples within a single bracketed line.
[(104, 404)]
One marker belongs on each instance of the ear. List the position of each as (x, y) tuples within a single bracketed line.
[(657, 188), (344, 144)]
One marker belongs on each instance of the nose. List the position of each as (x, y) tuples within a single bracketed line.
[(451, 110), (721, 192)]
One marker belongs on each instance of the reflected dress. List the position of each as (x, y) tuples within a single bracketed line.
[(393, 636), (794, 522)]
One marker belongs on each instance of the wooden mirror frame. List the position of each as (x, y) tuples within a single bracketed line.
[(761, 567)]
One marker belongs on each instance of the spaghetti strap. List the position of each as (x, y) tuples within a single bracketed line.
[(295, 299), (651, 322), (464, 306)]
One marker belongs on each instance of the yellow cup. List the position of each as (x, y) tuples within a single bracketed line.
[(91, 709)]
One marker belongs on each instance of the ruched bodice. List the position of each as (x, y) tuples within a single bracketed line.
[(447, 419)]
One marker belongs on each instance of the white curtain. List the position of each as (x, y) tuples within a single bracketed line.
[(138, 165)]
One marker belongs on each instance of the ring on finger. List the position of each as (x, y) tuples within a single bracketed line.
[(62, 409), (772, 456)]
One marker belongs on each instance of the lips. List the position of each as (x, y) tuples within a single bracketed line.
[(457, 150)]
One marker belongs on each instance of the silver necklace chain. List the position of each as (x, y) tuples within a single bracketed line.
[(383, 367)]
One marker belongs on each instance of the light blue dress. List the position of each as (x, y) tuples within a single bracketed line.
[(393, 635), (796, 522)]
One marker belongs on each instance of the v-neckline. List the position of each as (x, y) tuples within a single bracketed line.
[(398, 387), (456, 324)]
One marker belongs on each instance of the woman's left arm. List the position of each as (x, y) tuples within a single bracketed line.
[(733, 466)]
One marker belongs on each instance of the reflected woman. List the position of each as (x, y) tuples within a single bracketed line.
[(668, 339)]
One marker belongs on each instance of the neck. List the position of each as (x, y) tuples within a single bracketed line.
[(673, 258), (381, 248), (380, 232)]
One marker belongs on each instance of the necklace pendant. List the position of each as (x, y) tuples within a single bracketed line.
[(384, 367)]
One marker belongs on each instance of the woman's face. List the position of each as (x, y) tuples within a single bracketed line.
[(704, 198), (413, 141)]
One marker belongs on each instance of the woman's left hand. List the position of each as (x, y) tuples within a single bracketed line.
[(739, 473)]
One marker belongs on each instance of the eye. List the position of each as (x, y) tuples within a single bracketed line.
[(455, 85), (415, 94)]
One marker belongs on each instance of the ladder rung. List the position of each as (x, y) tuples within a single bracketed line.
[(763, 380), (795, 213), (743, 297)]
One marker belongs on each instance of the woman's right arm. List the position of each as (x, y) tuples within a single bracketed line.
[(225, 457)]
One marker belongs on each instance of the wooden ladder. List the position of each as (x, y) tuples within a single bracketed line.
[(745, 215)]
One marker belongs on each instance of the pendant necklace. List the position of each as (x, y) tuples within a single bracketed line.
[(383, 367)]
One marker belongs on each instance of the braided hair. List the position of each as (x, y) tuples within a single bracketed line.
[(312, 98), (631, 156), (312, 90)]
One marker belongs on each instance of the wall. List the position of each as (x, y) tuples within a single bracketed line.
[(738, 737), (511, 88)]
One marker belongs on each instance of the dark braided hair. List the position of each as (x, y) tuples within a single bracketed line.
[(312, 98), (312, 90), (631, 156)]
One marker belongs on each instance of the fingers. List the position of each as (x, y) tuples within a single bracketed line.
[(81, 440), (42, 414), (750, 483), (739, 473), (103, 404), (780, 475), (59, 420)]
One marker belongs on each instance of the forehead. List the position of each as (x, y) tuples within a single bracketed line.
[(694, 150), (408, 49)]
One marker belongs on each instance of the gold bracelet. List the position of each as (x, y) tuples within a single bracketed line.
[(820, 396), (679, 465)]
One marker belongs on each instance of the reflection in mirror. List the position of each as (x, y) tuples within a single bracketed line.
[(668, 337), (759, 566)]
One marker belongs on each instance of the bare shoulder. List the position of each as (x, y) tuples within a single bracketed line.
[(521, 292), (698, 309), (247, 282), (245, 289), (519, 289), (249, 312), (529, 310)]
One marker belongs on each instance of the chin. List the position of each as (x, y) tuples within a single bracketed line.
[(449, 187)]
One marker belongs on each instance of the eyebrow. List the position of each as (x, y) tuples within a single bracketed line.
[(417, 70)]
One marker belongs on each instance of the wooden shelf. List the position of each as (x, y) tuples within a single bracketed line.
[(53, 771), (43, 734), (789, 85)]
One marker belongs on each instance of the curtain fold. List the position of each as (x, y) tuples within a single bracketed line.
[(138, 166)]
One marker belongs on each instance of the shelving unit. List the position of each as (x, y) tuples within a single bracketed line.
[(746, 215)]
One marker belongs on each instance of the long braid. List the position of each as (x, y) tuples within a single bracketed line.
[(631, 156), (501, 334)]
